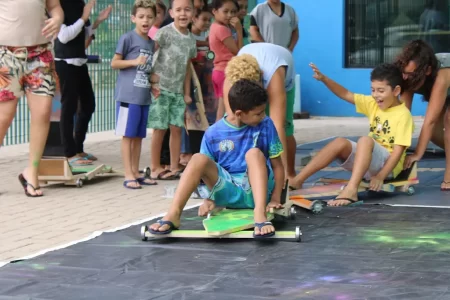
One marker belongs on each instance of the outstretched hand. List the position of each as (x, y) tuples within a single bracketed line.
[(104, 14), (317, 74)]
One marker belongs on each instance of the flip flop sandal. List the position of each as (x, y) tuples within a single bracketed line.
[(26, 184), (171, 177), (141, 181), (161, 223), (73, 163), (445, 189), (158, 177), (90, 157), (23, 181), (353, 202), (126, 182), (34, 189), (260, 226)]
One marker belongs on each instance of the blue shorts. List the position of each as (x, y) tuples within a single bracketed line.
[(131, 120), (234, 191)]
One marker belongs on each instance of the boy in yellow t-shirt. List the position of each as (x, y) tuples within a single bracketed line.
[(379, 155)]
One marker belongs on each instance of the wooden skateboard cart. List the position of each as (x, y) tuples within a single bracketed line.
[(58, 170), (404, 182), (239, 220)]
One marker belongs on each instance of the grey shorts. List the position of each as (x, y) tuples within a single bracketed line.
[(379, 157)]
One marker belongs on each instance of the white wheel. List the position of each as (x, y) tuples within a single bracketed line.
[(292, 213), (79, 182), (411, 191), (144, 229), (147, 172), (298, 234)]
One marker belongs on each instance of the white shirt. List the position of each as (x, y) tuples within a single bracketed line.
[(68, 33)]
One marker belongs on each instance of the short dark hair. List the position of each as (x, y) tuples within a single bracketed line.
[(389, 72), (246, 95), (216, 4)]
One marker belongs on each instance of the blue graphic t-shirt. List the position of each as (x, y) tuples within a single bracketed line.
[(227, 144), (133, 85)]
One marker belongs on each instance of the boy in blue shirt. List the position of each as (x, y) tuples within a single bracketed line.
[(133, 57), (239, 162)]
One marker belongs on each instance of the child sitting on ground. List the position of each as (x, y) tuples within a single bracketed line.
[(239, 162), (133, 58), (378, 156)]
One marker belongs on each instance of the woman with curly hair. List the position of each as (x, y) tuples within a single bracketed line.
[(424, 74), (27, 68), (273, 66)]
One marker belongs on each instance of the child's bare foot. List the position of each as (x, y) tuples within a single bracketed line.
[(346, 197), (131, 182), (144, 180), (206, 207), (164, 226), (185, 158), (30, 184), (262, 226)]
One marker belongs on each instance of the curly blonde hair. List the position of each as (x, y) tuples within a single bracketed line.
[(244, 66)]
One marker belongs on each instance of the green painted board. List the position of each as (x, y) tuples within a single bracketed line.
[(230, 220), (87, 169)]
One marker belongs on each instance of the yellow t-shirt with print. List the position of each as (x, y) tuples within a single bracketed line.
[(393, 126)]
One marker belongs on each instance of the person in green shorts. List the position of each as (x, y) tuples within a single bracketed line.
[(273, 66)]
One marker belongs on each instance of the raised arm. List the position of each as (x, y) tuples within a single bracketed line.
[(333, 86)]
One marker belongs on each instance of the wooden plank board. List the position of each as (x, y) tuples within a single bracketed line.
[(204, 234), (231, 220)]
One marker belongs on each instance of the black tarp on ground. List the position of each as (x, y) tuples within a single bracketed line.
[(369, 252), (366, 252)]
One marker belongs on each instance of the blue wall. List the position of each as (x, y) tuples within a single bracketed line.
[(321, 24)]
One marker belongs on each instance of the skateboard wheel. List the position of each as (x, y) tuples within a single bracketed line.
[(147, 172), (410, 191), (317, 207), (292, 213), (298, 234), (144, 229), (79, 183)]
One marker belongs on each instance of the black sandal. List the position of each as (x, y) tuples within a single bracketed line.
[(25, 184)]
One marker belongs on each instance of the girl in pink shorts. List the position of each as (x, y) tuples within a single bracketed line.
[(225, 41)]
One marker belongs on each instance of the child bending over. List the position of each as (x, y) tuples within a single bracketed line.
[(171, 88), (133, 58), (239, 162), (378, 156)]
